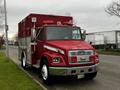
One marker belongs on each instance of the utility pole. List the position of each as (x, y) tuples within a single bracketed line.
[(6, 29)]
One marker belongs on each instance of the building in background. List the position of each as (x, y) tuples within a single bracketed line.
[(105, 39)]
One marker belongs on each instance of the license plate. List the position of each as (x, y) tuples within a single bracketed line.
[(80, 76), (82, 59)]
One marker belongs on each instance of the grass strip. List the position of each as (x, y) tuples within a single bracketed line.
[(12, 78), (109, 52)]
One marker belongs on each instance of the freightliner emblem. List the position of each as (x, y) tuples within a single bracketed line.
[(82, 58)]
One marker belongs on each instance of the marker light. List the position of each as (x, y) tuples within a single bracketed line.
[(74, 59)]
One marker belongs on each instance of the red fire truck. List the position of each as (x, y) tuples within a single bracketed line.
[(56, 47)]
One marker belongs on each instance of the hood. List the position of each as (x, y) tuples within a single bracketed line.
[(69, 45)]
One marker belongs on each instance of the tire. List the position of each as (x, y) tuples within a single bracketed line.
[(44, 73), (24, 62), (90, 76)]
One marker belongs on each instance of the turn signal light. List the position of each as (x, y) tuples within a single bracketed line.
[(95, 59), (73, 59), (92, 58)]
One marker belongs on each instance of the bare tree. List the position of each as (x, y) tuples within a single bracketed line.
[(114, 8), (1, 40)]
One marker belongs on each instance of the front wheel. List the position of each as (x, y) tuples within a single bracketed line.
[(45, 73), (90, 76)]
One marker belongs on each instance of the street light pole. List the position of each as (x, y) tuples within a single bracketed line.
[(6, 29)]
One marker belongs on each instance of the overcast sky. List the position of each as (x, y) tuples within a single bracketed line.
[(88, 14)]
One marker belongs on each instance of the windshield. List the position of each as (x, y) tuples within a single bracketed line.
[(63, 33)]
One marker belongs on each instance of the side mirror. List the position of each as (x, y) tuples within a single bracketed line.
[(83, 34), (33, 34)]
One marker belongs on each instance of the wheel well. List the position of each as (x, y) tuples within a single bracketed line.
[(43, 59), (22, 54)]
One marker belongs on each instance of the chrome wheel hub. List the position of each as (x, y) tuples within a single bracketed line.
[(44, 72), (24, 61)]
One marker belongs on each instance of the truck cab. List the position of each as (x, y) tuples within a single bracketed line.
[(58, 50)]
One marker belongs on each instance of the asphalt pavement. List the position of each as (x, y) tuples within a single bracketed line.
[(108, 77)]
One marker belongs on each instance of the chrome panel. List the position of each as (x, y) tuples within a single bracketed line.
[(65, 71), (80, 52), (82, 56)]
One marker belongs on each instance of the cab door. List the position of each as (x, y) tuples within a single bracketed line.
[(40, 43)]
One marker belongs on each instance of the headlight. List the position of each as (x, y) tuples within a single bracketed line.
[(56, 60)]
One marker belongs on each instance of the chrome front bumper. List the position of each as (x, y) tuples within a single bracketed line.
[(67, 71)]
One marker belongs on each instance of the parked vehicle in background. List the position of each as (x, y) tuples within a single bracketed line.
[(105, 39), (55, 46)]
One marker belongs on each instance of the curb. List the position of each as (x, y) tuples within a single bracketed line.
[(30, 76)]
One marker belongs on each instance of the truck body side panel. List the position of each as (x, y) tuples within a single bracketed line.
[(25, 31)]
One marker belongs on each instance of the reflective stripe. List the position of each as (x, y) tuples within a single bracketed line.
[(54, 49), (51, 48)]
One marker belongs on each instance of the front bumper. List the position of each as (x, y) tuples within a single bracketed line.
[(67, 71)]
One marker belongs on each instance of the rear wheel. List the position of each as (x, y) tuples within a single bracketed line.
[(45, 73), (24, 61), (90, 76)]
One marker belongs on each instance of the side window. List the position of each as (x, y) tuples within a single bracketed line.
[(40, 37), (76, 33)]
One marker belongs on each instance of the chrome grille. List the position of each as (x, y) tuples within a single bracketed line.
[(82, 56), (80, 52)]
